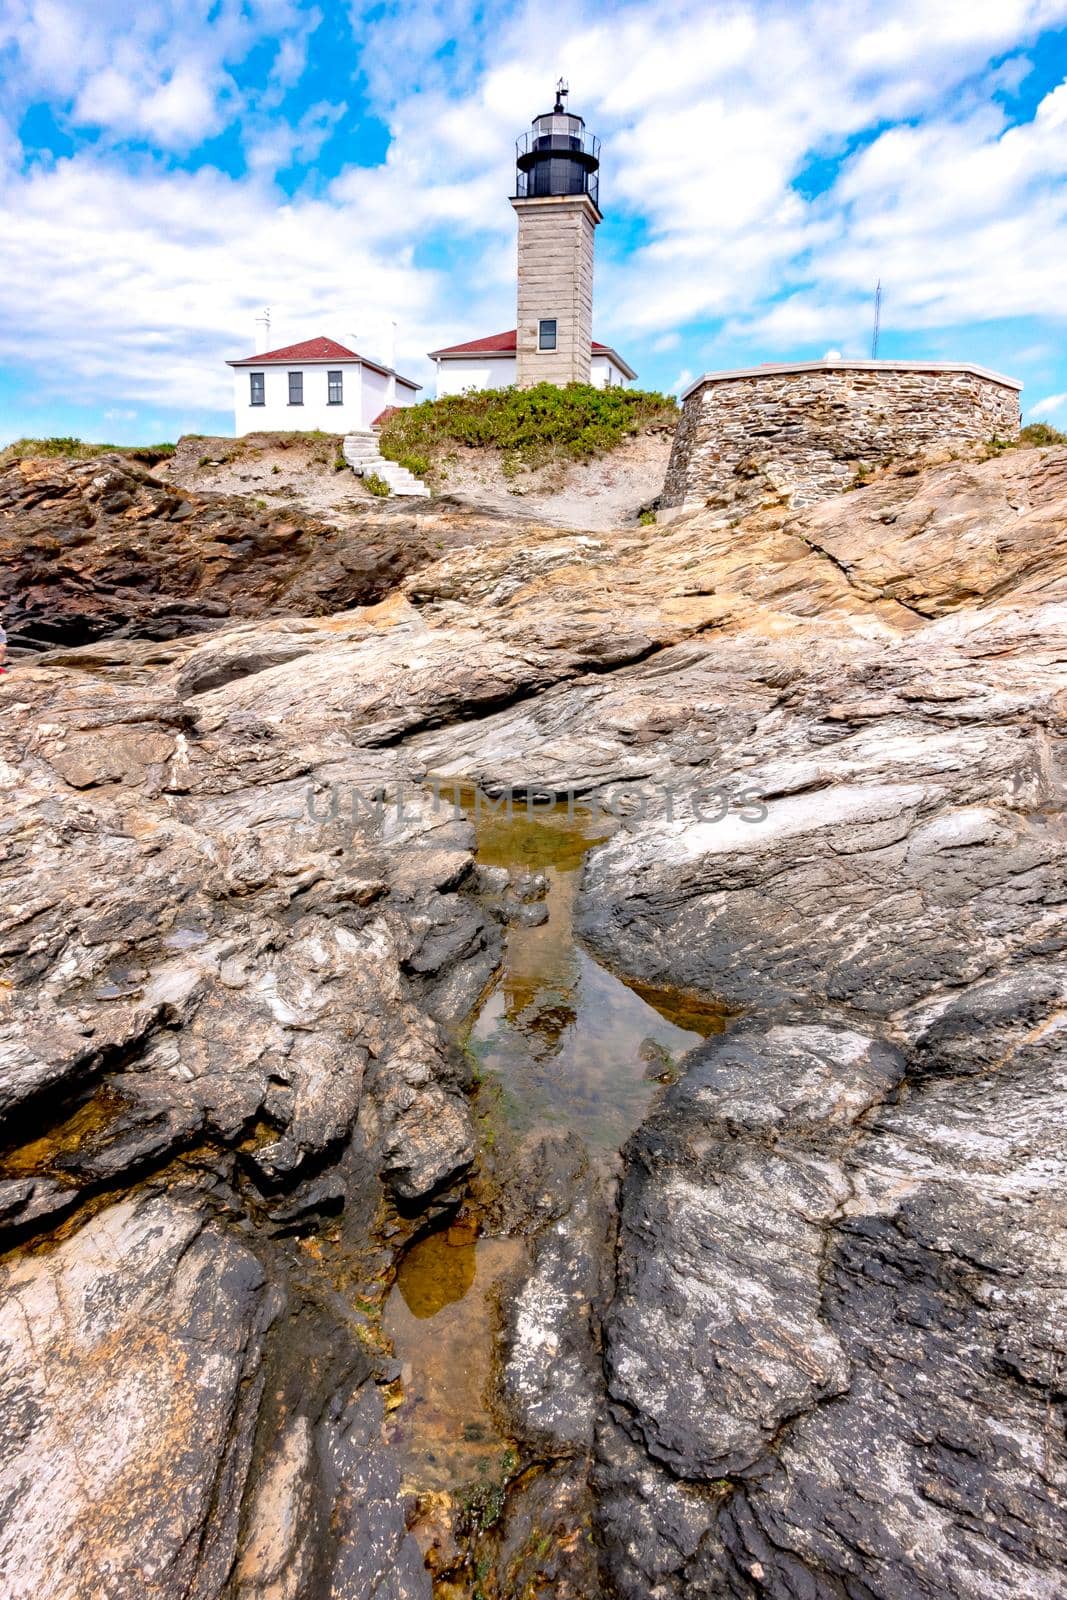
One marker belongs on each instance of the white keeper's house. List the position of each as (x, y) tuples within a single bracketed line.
[(316, 384), (492, 363)]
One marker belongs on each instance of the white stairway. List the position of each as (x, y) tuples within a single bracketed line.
[(361, 452)]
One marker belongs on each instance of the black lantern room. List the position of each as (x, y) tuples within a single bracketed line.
[(557, 156)]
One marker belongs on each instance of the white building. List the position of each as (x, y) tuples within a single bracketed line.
[(492, 363), (316, 384)]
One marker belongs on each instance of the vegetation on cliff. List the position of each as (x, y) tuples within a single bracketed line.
[(531, 427), (68, 448)]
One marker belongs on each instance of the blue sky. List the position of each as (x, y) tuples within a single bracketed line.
[(166, 172)]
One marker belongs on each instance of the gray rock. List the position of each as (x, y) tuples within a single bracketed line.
[(550, 1379), (716, 1334), (130, 1382)]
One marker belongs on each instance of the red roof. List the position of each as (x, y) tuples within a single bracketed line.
[(308, 350), (501, 342), (313, 350), (505, 344)]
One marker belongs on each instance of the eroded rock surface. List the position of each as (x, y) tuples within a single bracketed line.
[(91, 550), (131, 1369), (807, 1340)]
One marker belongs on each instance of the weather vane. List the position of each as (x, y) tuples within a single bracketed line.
[(562, 92)]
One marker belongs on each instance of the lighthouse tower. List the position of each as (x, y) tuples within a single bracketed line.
[(557, 202)]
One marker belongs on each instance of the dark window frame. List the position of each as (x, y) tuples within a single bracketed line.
[(298, 388), (257, 388), (335, 380), (543, 338)]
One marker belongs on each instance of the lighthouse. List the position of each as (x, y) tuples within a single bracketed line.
[(557, 202)]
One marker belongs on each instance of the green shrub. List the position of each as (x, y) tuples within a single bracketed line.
[(529, 426), (1041, 433), (647, 519), (148, 453), (74, 449), (376, 484), (65, 446)]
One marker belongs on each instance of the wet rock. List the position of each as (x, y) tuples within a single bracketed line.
[(649, 1523), (544, 1549), (550, 1375), (659, 1066), (427, 1135), (528, 887), (372, 1553), (279, 1546), (526, 915), (316, 1197), (25, 1201), (716, 1334), (131, 1373), (490, 880)]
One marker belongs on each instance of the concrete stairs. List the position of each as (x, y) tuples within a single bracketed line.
[(361, 452)]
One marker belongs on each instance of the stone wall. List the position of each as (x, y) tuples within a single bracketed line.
[(802, 432), (555, 280)]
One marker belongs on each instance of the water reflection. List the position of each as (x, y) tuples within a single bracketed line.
[(440, 1318), (571, 1045), (568, 1046)]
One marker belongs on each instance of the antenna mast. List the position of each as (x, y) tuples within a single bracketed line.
[(877, 320)]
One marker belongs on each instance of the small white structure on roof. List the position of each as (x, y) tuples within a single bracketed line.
[(492, 363), (315, 384)]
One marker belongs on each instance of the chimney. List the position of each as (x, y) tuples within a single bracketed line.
[(390, 393), (263, 333)]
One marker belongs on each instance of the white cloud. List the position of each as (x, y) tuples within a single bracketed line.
[(1051, 402), (158, 70), (172, 268), (272, 145), (707, 115)]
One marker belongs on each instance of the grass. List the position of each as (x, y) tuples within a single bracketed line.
[(1033, 437), (1041, 433), (376, 484), (529, 426), (71, 449)]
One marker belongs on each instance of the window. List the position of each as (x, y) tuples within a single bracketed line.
[(546, 334), (257, 396), (335, 388), (296, 388)]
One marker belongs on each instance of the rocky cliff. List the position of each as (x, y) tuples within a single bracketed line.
[(804, 1337)]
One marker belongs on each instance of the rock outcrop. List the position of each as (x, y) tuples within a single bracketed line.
[(808, 1338), (104, 549), (131, 1375)]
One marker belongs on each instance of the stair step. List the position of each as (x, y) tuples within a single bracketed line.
[(363, 455)]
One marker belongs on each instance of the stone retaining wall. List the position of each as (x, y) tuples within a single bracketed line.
[(801, 432)]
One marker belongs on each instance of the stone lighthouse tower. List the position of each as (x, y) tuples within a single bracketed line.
[(556, 199)]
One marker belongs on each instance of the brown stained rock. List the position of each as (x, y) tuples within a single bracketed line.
[(94, 549), (130, 1376)]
